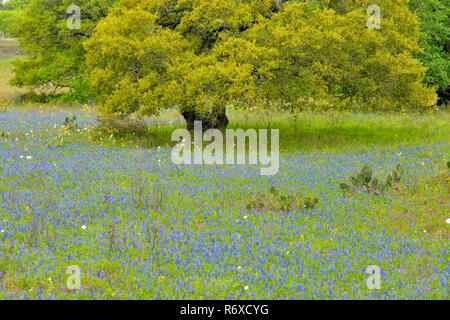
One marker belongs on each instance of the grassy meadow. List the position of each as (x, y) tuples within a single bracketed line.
[(110, 200)]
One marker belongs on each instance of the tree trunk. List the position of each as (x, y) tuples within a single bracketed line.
[(218, 121), (444, 96)]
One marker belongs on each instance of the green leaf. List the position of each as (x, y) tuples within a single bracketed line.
[(360, 179), (366, 172), (344, 186), (374, 182), (389, 180), (396, 176)]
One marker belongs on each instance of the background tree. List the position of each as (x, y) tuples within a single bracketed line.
[(54, 54), (435, 40), (330, 53), (13, 4), (9, 15), (199, 56)]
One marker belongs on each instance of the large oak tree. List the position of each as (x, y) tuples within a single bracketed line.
[(201, 55)]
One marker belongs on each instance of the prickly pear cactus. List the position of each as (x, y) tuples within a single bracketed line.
[(367, 180)]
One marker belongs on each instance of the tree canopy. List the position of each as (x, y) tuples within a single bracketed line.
[(55, 56), (200, 55), (9, 14), (435, 40)]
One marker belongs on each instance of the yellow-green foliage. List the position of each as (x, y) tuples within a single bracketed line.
[(54, 56), (200, 55), (327, 53)]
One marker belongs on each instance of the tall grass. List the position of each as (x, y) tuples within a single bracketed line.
[(340, 131), (309, 131)]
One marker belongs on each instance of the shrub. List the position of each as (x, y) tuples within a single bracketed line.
[(435, 41), (275, 201), (367, 180), (122, 126)]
